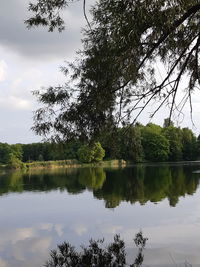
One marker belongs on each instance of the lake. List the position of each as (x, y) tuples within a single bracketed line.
[(40, 209)]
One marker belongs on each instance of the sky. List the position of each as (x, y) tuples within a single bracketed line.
[(31, 59)]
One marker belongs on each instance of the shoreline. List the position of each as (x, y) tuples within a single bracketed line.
[(76, 164)]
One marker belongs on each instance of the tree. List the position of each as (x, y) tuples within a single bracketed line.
[(10, 153), (85, 154), (167, 122), (131, 144), (14, 162), (174, 138), (116, 74), (189, 144), (155, 145), (5, 150), (99, 152), (91, 153), (96, 255)]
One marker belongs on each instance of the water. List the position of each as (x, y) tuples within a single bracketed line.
[(40, 209)]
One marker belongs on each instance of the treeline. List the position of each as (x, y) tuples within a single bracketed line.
[(154, 143), (135, 143)]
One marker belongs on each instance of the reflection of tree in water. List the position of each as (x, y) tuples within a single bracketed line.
[(184, 182), (73, 180), (138, 184), (92, 178), (142, 184), (11, 182)]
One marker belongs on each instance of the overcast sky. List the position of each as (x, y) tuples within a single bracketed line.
[(30, 59)]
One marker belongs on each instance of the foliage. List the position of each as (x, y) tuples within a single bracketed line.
[(85, 154), (198, 146), (91, 153), (189, 144), (50, 151), (96, 255), (116, 73), (131, 144), (5, 150), (174, 137), (168, 122), (11, 154), (47, 14), (14, 162), (156, 146), (99, 152)]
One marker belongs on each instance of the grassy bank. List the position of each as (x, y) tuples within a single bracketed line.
[(72, 164)]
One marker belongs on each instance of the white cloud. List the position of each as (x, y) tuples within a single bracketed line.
[(25, 245), (59, 229), (13, 102), (3, 70), (16, 235), (112, 229), (16, 83), (40, 245), (80, 229), (46, 226)]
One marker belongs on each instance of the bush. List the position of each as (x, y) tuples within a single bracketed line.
[(95, 255), (14, 162), (91, 153), (98, 152), (85, 154)]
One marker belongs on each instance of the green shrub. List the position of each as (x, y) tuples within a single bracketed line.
[(14, 162), (91, 153)]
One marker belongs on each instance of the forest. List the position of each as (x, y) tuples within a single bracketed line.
[(138, 143)]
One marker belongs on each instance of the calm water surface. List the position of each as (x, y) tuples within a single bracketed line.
[(41, 209)]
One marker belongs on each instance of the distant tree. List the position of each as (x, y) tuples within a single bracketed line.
[(14, 162), (98, 152), (40, 157), (85, 154), (167, 123), (189, 144), (131, 144), (198, 146), (10, 151), (71, 149), (5, 150), (111, 142), (17, 150), (174, 137), (154, 127), (91, 153), (155, 145)]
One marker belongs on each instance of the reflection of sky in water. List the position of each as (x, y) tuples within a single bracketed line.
[(33, 223)]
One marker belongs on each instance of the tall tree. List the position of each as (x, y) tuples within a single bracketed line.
[(131, 144), (174, 136), (189, 144), (155, 145)]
